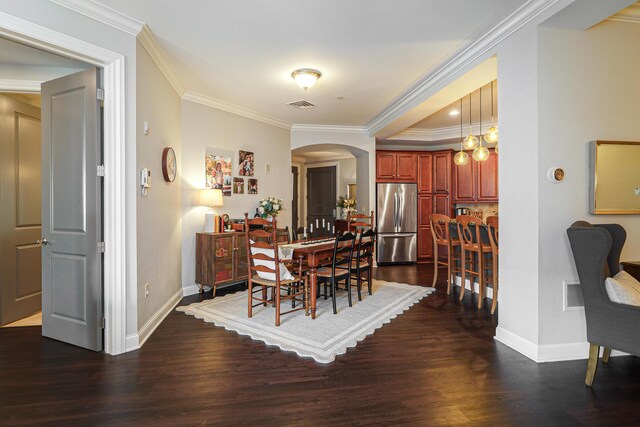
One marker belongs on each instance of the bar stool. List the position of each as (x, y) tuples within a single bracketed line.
[(473, 254), (441, 237), (492, 228)]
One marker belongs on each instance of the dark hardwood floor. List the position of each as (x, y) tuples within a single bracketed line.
[(436, 364)]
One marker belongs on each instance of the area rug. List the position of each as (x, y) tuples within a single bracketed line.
[(325, 337)]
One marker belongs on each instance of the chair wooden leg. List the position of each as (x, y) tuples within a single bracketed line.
[(264, 295), (369, 285), (463, 273), (359, 284), (349, 290), (277, 299), (306, 296), (333, 296), (435, 264), (592, 366), (449, 281), (605, 355), (250, 311), (481, 279), (494, 303)]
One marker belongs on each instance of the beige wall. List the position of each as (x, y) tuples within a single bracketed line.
[(588, 89), (204, 127), (159, 214)]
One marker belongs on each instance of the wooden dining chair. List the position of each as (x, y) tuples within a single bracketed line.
[(441, 236), (492, 228), (473, 254), (340, 268), (363, 260), (358, 221), (282, 235), (266, 270)]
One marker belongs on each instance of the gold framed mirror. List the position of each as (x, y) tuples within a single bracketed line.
[(615, 177)]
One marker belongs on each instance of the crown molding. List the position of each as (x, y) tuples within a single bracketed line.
[(330, 128), (630, 15), (160, 57), (430, 84), (234, 109), (9, 85), (438, 134), (103, 14)]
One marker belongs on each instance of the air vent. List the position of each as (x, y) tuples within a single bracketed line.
[(302, 104)]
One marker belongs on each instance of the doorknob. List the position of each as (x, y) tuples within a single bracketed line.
[(42, 242)]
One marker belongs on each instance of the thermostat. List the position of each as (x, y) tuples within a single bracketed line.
[(555, 175)]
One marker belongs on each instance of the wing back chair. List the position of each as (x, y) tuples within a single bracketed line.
[(596, 252)]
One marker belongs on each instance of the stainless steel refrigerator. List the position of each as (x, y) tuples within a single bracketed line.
[(397, 223)]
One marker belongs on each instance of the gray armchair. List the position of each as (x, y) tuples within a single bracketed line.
[(596, 251)]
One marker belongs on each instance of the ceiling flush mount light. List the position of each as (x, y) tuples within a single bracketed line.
[(461, 158), (471, 141), (491, 136), (454, 112), (306, 77)]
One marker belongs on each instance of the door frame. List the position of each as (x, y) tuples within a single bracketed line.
[(114, 194)]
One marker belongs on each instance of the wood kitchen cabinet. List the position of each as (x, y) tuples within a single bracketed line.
[(395, 166), (425, 173), (221, 259), (442, 172), (442, 204), (476, 182), (425, 240)]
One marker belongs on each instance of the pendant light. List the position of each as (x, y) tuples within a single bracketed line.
[(481, 153), (461, 158), (491, 136), (471, 141)]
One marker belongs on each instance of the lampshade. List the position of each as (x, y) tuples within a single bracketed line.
[(461, 158), (470, 142), (480, 154), (306, 77), (211, 197), (491, 136)]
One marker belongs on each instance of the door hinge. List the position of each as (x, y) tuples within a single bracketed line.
[(101, 246), (100, 94), (103, 323), (100, 170)]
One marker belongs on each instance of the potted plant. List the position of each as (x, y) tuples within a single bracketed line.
[(346, 205), (270, 207)]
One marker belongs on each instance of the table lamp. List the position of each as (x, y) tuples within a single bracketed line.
[(211, 198)]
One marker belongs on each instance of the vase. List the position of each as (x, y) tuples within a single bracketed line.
[(343, 213)]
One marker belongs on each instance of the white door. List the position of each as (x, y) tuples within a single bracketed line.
[(72, 210)]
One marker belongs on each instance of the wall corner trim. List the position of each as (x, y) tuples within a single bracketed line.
[(145, 332), (102, 14), (209, 101), (161, 59), (430, 83)]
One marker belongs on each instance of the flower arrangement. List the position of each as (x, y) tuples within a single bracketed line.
[(346, 203), (270, 206)]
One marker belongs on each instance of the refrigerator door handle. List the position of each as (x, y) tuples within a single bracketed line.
[(401, 212), (397, 212)]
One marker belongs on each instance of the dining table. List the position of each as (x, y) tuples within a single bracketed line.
[(314, 252)]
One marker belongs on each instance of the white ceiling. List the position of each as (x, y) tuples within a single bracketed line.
[(242, 52)]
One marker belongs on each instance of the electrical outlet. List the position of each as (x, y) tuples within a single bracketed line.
[(146, 290)]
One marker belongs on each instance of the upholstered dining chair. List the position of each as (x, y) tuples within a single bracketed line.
[(267, 271), (596, 251)]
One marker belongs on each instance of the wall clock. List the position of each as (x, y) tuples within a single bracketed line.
[(169, 164)]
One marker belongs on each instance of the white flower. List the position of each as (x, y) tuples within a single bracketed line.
[(276, 207), (261, 210), (264, 203)]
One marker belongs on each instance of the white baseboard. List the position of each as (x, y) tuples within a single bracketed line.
[(190, 290), (476, 286), (516, 342), (131, 342), (548, 352), (135, 341)]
